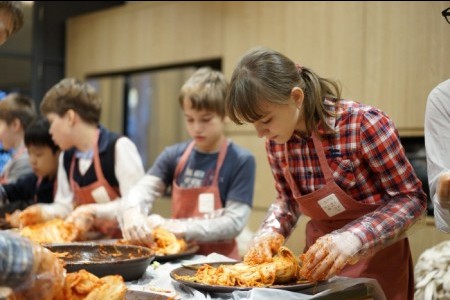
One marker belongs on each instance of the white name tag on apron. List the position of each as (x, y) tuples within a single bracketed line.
[(206, 202), (331, 205), (100, 195)]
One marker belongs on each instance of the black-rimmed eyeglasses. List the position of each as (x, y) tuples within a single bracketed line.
[(446, 14)]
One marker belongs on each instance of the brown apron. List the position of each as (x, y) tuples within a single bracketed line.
[(86, 194), (185, 203), (330, 208)]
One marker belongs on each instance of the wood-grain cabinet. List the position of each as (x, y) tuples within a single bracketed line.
[(389, 54)]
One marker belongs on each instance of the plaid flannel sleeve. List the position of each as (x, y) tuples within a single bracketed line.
[(403, 197), (16, 259)]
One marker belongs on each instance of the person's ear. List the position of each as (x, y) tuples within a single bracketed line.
[(298, 96), (16, 125), (71, 116)]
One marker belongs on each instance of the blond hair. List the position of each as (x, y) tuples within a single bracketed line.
[(206, 89)]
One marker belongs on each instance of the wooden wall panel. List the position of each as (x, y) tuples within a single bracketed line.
[(240, 24), (143, 35), (328, 37), (257, 24), (265, 192), (407, 54), (388, 54), (168, 118)]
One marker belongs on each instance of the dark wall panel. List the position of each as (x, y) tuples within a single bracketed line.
[(48, 51)]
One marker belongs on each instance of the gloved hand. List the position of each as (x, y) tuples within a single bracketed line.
[(83, 218), (136, 227), (176, 226), (31, 215), (46, 278), (263, 248), (155, 220), (14, 218), (329, 255), (443, 190)]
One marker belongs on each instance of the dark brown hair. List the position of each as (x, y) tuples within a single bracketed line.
[(79, 96), (38, 134), (266, 75)]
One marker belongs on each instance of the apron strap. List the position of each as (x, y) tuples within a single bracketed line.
[(326, 170), (220, 160), (97, 165), (183, 159)]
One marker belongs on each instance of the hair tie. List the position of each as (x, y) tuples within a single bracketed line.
[(299, 68)]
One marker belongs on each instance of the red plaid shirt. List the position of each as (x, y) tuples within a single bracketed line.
[(368, 162)]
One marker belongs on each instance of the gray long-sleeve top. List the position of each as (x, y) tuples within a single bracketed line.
[(437, 144)]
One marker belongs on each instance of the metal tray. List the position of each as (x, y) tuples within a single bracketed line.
[(191, 250), (126, 260), (190, 270)]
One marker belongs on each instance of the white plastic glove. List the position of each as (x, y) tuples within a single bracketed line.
[(155, 220), (443, 190), (136, 227), (83, 217), (263, 247), (135, 208), (176, 226), (31, 215), (329, 255), (14, 218)]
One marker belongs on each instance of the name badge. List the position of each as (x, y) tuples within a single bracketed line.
[(331, 205), (206, 202), (100, 195)]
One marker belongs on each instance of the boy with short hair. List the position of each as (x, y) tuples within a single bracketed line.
[(17, 111), (212, 178), (38, 186), (96, 167)]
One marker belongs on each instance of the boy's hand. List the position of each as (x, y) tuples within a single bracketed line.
[(83, 218), (14, 218), (136, 228), (30, 216)]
